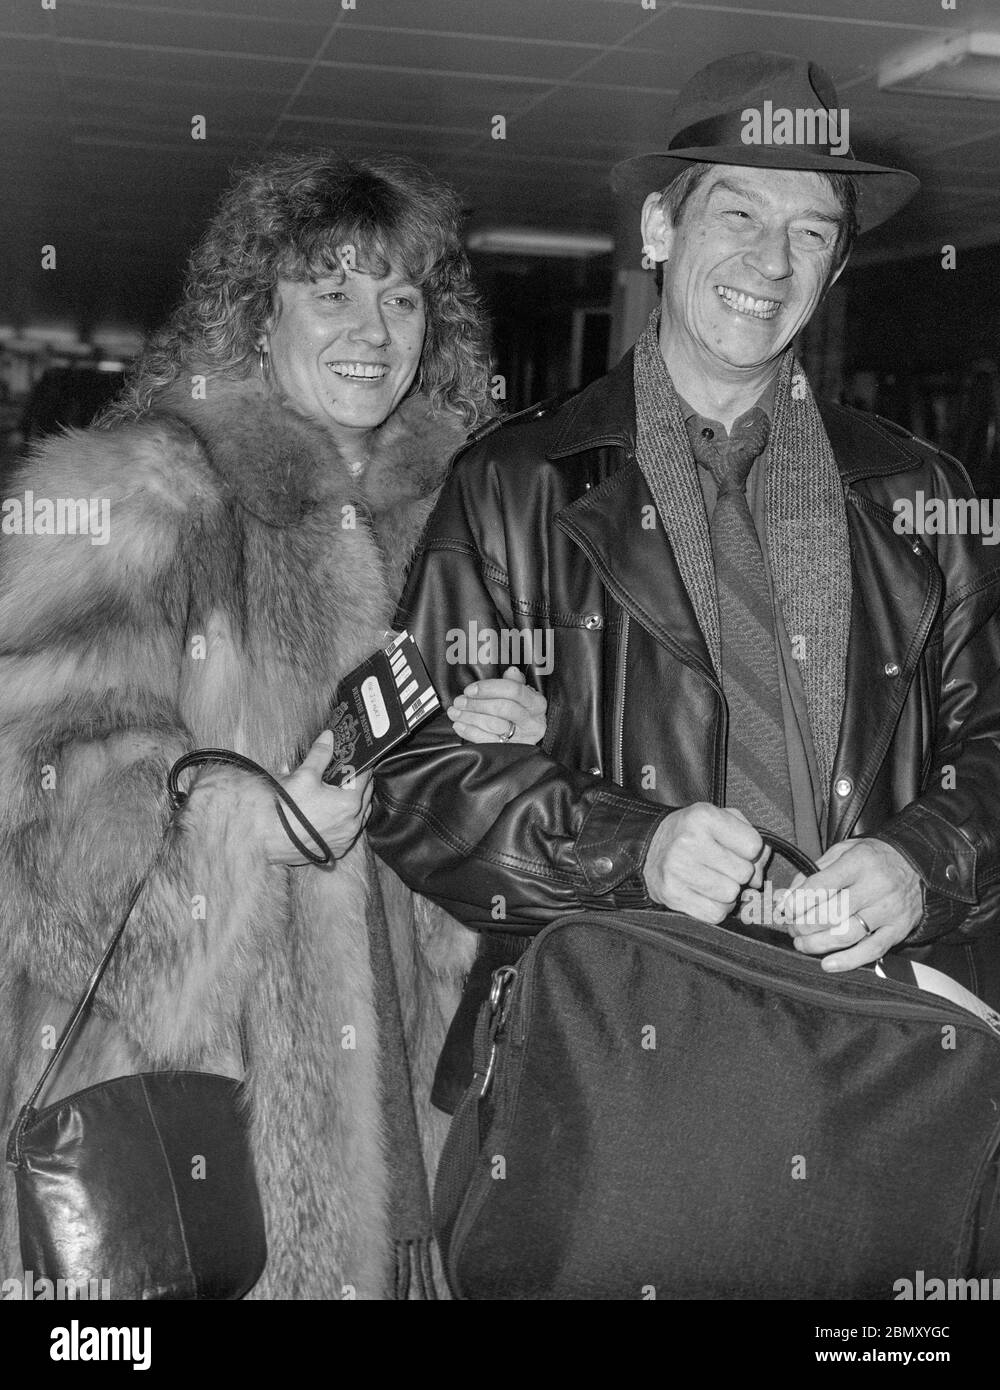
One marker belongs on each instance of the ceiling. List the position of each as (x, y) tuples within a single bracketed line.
[(97, 99)]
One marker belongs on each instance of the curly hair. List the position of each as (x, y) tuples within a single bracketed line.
[(292, 217)]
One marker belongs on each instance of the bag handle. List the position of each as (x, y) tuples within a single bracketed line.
[(795, 856), (177, 797)]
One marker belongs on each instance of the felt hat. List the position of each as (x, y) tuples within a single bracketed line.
[(765, 111)]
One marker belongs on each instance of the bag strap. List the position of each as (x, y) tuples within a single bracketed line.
[(795, 856), (177, 797), (82, 1004), (224, 755)]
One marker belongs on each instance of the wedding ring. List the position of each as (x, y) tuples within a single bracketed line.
[(864, 925), (506, 738)]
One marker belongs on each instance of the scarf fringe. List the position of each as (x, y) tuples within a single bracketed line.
[(414, 1271)]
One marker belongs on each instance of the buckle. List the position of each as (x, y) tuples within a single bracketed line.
[(501, 993)]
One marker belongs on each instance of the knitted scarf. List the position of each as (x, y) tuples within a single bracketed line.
[(806, 520)]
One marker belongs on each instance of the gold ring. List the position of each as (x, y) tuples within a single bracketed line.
[(506, 738)]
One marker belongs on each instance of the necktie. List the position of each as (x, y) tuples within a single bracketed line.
[(757, 779)]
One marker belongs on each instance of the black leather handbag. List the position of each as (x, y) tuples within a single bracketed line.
[(665, 1109), (143, 1183)]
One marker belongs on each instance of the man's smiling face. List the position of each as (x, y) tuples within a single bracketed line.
[(746, 266)]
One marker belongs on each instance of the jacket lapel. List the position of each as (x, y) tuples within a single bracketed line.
[(648, 566), (896, 596), (617, 527)]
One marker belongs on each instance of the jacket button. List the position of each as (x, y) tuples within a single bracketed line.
[(917, 548), (843, 786), (603, 865), (890, 668), (951, 873), (593, 621), (594, 771)]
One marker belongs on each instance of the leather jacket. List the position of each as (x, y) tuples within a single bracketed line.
[(535, 530)]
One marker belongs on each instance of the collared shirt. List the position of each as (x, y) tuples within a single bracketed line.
[(803, 769)]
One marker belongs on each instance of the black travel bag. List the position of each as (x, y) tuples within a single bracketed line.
[(662, 1108)]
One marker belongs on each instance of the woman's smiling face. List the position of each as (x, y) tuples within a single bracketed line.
[(345, 348)]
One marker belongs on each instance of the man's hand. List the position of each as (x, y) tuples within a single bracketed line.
[(701, 858), (881, 891)]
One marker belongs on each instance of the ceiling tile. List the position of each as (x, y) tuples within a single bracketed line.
[(448, 54)]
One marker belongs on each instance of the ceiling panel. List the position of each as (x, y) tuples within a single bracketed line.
[(598, 22), (317, 12), (161, 28), (456, 54), (271, 71), (96, 100)]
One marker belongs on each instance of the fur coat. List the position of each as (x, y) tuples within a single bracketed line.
[(244, 572)]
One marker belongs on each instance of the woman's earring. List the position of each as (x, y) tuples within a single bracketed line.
[(263, 362)]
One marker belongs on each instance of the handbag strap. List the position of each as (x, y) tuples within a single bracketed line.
[(70, 1027), (224, 755), (177, 797)]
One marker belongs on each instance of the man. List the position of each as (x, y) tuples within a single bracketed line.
[(741, 633)]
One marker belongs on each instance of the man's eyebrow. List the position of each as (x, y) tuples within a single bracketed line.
[(818, 215), (748, 191), (740, 189)]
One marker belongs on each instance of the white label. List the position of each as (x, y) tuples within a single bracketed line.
[(371, 693)]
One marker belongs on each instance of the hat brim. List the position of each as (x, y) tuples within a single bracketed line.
[(883, 190)]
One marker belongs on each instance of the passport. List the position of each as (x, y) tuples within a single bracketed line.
[(378, 705)]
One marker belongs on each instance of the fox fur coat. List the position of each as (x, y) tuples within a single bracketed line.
[(244, 572)]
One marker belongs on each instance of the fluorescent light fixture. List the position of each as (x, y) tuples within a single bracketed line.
[(966, 65), (532, 241)]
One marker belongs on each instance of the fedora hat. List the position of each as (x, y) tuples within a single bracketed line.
[(766, 111)]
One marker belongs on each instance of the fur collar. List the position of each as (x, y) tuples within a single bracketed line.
[(279, 465)]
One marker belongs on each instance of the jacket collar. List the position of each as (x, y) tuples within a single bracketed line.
[(603, 415), (643, 575), (863, 445)]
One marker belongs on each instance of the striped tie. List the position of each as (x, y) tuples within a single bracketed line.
[(757, 779)]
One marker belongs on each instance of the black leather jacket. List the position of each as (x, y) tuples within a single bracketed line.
[(535, 529)]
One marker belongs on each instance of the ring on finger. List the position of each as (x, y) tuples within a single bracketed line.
[(864, 925), (506, 738)]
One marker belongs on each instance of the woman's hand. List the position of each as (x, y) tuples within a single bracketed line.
[(486, 710), (338, 813)]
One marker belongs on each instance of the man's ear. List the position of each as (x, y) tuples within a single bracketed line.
[(657, 232)]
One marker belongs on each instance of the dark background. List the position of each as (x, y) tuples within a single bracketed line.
[(97, 99)]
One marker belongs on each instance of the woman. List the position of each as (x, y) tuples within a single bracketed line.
[(267, 473)]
